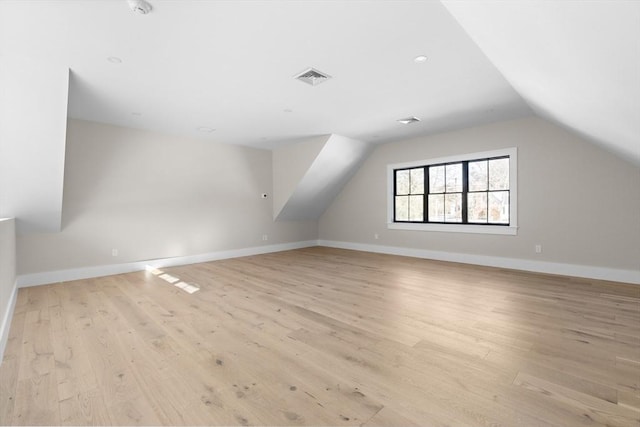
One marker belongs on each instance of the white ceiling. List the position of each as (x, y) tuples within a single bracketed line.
[(229, 65), (576, 63)]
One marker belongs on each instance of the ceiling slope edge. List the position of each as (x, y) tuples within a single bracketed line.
[(290, 164), (33, 108), (338, 160), (574, 63)]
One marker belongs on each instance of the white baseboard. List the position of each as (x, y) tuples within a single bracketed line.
[(590, 272), (6, 320), (35, 279)]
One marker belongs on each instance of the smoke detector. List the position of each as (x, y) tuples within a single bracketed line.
[(140, 6), (312, 76)]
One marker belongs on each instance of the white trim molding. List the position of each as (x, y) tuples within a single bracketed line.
[(44, 278), (589, 272), (574, 270), (455, 228), (5, 326)]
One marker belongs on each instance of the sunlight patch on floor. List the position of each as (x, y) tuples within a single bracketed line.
[(175, 281)]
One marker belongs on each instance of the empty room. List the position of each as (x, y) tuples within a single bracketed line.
[(320, 213)]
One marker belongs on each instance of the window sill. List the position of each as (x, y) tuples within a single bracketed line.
[(511, 230)]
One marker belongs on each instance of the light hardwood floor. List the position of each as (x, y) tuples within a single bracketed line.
[(324, 336)]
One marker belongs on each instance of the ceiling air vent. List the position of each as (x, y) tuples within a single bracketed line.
[(409, 120), (312, 76)]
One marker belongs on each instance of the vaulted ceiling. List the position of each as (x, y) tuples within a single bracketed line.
[(576, 63), (229, 65)]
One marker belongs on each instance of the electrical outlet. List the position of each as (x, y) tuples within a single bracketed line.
[(265, 237), (376, 236), (538, 249), (114, 252)]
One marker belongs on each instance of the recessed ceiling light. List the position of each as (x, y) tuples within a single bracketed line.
[(420, 59), (205, 129), (409, 120), (114, 60)]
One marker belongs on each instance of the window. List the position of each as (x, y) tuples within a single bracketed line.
[(470, 193)]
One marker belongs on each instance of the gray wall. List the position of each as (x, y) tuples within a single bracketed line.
[(580, 202), (153, 195), (157, 196)]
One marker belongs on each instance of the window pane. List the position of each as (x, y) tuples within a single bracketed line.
[(416, 208), (402, 208), (499, 207), (436, 208), (402, 182), (499, 174), (478, 176), (477, 207), (454, 178), (436, 179), (453, 208), (417, 181)]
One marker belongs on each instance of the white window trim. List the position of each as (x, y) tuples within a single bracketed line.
[(511, 229)]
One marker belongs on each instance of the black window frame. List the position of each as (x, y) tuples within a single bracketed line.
[(465, 192)]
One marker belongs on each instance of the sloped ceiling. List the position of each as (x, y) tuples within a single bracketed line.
[(335, 163), (33, 129), (576, 63), (290, 164)]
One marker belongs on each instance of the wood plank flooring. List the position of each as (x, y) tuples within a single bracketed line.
[(323, 336)]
